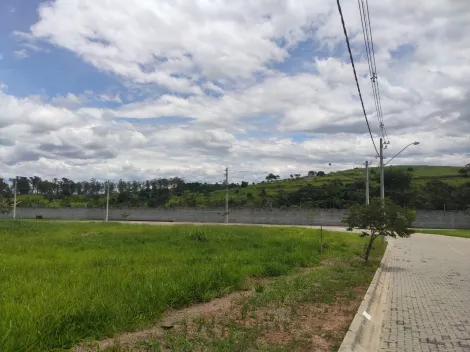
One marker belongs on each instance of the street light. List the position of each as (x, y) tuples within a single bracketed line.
[(414, 143), (382, 165)]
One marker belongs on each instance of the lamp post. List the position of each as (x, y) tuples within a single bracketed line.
[(382, 182), (382, 185), (414, 143)]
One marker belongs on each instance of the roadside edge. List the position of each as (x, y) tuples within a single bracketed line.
[(363, 334)]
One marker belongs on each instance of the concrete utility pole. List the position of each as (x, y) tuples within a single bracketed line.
[(226, 195), (14, 200), (107, 202), (382, 186), (367, 182)]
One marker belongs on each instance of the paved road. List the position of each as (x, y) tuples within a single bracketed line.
[(428, 302)]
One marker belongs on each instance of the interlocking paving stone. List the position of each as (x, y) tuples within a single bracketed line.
[(428, 302)]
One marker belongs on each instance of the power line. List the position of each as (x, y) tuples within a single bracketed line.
[(355, 74), (370, 53)]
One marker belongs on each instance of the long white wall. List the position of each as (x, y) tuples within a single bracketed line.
[(424, 219)]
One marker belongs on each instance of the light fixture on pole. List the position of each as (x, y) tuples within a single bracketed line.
[(382, 185), (414, 143)]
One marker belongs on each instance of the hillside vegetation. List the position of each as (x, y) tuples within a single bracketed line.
[(421, 187), (343, 188)]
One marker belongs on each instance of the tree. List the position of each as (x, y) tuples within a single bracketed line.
[(22, 184), (244, 184), (398, 185), (311, 173), (4, 187), (5, 205), (34, 181), (272, 177), (389, 220), (320, 173)]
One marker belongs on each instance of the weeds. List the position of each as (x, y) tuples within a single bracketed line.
[(60, 286)]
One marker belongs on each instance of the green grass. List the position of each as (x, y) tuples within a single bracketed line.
[(454, 233), (277, 307), (61, 283)]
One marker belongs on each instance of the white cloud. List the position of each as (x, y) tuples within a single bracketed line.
[(68, 101), (110, 98), (260, 118), (154, 41), (21, 54), (28, 44)]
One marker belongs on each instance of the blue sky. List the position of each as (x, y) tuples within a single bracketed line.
[(49, 72), (173, 86), (52, 70)]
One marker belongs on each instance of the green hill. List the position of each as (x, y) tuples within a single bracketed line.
[(352, 181), (420, 174), (421, 187)]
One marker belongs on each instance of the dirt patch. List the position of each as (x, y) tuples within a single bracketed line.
[(317, 326), (292, 326), (172, 319)]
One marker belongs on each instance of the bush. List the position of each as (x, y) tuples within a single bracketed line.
[(410, 169), (463, 171)]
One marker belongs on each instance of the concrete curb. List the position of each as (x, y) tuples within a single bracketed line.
[(364, 334)]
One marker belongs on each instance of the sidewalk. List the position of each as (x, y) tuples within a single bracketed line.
[(428, 299)]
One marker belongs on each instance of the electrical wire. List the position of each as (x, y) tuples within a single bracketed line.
[(370, 53), (355, 74)]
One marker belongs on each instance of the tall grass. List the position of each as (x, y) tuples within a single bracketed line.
[(61, 283)]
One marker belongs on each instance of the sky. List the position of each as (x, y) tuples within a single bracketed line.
[(139, 89)]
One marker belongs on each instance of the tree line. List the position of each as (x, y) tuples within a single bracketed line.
[(175, 192)]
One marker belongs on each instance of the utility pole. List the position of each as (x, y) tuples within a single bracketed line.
[(107, 202), (14, 200), (226, 195), (367, 182), (382, 186)]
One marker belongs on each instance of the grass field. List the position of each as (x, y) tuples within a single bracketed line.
[(61, 283), (454, 233)]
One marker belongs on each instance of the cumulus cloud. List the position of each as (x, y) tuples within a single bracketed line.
[(236, 87)]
